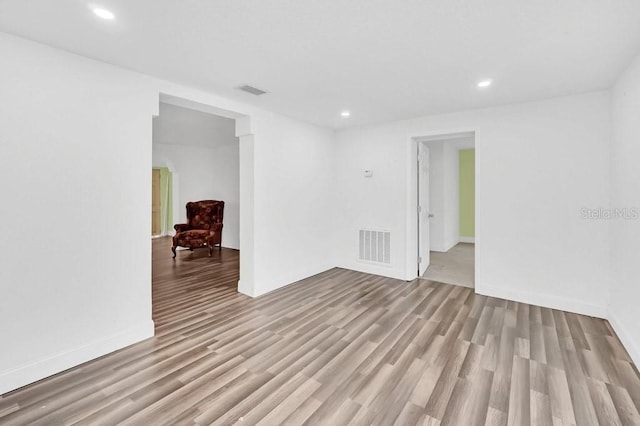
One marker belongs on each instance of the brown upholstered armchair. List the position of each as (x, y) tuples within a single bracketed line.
[(203, 227)]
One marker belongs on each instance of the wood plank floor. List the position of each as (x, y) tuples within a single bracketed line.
[(341, 348)]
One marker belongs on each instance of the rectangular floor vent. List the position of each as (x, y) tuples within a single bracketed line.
[(374, 246)]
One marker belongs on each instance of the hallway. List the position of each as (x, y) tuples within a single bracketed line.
[(455, 266)]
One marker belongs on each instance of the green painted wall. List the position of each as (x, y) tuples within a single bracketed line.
[(467, 162), (166, 199)]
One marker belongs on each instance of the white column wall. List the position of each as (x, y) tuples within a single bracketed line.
[(625, 195)]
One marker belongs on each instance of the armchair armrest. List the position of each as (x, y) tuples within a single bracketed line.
[(181, 227)]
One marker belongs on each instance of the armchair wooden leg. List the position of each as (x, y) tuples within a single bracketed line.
[(210, 250), (173, 249)]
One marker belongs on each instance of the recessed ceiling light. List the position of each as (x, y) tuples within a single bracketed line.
[(485, 83), (104, 13), (345, 114), (253, 90)]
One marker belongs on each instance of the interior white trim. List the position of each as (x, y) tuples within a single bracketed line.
[(377, 269), (285, 280), (446, 136), (544, 300), (625, 337), (446, 248), (471, 240), (56, 363)]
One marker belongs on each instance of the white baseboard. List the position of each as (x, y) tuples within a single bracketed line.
[(244, 290), (446, 248), (370, 268), (262, 288), (283, 281), (439, 249), (625, 337), (544, 300), (471, 240), (56, 363)]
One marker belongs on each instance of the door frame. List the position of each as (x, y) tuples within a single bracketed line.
[(423, 207), (412, 240)]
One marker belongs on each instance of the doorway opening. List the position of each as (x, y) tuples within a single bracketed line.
[(446, 208), (195, 157)]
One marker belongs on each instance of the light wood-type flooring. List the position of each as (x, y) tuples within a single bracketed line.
[(340, 348), (456, 266)]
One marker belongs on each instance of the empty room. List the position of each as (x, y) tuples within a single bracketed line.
[(358, 213)]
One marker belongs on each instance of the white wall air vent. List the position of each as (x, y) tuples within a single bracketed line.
[(374, 246), (253, 90)]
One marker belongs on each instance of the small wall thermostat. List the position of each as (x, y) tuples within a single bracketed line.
[(368, 173)]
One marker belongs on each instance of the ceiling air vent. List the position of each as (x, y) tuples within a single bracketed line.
[(252, 90)]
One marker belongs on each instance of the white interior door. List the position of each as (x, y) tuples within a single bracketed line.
[(423, 208)]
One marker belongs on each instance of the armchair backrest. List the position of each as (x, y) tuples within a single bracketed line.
[(203, 214)]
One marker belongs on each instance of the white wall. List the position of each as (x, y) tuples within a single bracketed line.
[(294, 203), (75, 160), (193, 166), (75, 154), (452, 198), (537, 165), (444, 194), (436, 196), (184, 126), (226, 187), (625, 245)]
